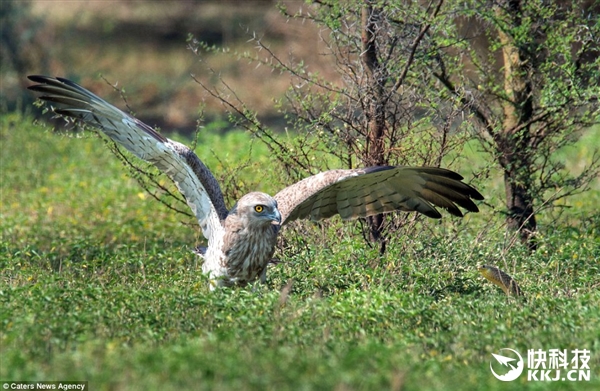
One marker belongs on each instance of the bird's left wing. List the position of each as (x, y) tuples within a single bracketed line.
[(193, 179), (369, 191)]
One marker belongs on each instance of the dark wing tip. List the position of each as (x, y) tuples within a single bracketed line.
[(38, 78), (456, 212), (474, 194), (37, 88), (434, 214), (477, 196), (445, 173), (48, 80), (49, 84)]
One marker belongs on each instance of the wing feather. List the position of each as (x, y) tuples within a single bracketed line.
[(365, 192), (193, 179)]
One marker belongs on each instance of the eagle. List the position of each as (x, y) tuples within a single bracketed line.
[(242, 240)]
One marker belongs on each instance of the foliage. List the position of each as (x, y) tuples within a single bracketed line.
[(528, 72), (378, 114), (411, 79), (98, 283), (523, 74)]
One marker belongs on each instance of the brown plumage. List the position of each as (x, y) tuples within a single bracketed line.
[(241, 241), (250, 236)]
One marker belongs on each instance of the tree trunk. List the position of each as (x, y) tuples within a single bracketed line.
[(375, 108), (521, 216), (514, 141)]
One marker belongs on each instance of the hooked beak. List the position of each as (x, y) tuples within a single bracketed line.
[(276, 216)]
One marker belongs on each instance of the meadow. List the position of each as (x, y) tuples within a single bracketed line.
[(98, 283)]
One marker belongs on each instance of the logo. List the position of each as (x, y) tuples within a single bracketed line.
[(542, 365), (514, 368)]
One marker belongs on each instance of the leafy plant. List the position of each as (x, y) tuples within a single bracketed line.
[(378, 115), (527, 72)]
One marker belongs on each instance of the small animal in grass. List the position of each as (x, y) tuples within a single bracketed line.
[(500, 278)]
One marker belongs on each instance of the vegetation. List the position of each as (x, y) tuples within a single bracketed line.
[(374, 109), (528, 73), (519, 76), (97, 283)]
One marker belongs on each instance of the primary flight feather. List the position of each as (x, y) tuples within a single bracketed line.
[(241, 241)]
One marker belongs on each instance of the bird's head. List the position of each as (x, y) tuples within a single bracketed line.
[(257, 209)]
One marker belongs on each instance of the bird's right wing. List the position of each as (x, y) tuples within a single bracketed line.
[(193, 179)]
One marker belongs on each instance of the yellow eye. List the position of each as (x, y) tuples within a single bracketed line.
[(259, 208)]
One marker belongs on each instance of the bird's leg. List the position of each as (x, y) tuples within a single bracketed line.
[(263, 276), (262, 281)]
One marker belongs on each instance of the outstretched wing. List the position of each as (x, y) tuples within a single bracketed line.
[(193, 179), (374, 190)]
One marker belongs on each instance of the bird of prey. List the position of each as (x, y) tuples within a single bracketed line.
[(241, 240)]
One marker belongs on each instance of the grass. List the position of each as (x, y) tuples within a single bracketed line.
[(97, 283)]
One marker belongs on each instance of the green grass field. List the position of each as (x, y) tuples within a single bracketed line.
[(98, 284)]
